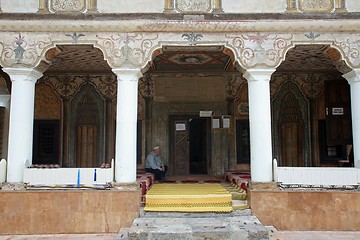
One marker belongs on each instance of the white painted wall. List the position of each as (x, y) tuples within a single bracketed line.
[(20, 6), (254, 6), (352, 5), (131, 6)]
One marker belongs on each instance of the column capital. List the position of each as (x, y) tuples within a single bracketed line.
[(352, 76), (23, 74), (258, 74), (129, 74)]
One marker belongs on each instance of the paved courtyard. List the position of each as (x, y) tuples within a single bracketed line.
[(285, 235)]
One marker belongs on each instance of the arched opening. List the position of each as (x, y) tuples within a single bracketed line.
[(74, 102), (320, 99), (189, 93)]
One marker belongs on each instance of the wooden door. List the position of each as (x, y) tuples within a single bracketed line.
[(86, 149), (338, 115), (291, 133), (292, 153), (180, 146)]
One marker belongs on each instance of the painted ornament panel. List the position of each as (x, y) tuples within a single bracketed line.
[(68, 5), (202, 6), (316, 5)]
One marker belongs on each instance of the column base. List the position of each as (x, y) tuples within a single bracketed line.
[(6, 186), (263, 186), (134, 186)]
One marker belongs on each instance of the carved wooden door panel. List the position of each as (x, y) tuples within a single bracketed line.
[(291, 133), (292, 153), (180, 147), (338, 115), (86, 149)]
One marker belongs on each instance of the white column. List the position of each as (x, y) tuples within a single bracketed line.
[(260, 124), (21, 121), (353, 78), (5, 102), (126, 124)]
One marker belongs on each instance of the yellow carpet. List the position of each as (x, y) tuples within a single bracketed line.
[(188, 197)]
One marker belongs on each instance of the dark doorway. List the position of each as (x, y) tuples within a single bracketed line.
[(188, 145), (198, 146), (46, 142), (243, 141)]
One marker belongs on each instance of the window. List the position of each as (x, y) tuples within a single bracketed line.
[(243, 141), (46, 142)]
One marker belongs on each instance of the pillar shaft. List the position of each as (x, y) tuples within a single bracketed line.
[(126, 124), (260, 124), (43, 7), (353, 78), (21, 122), (66, 134)]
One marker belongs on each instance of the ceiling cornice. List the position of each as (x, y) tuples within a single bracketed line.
[(175, 23)]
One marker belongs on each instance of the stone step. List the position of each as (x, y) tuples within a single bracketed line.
[(195, 226), (144, 214)]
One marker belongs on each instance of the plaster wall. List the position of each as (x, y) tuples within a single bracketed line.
[(130, 6), (307, 210), (352, 5), (19, 6), (67, 212), (254, 6)]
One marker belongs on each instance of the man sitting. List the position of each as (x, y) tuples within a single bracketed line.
[(155, 165)]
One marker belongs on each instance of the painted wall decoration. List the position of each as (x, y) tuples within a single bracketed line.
[(67, 5), (202, 6), (316, 6), (192, 6)]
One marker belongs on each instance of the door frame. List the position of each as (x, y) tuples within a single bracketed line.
[(186, 118)]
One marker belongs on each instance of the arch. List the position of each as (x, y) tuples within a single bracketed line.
[(334, 51), (290, 89), (87, 128), (158, 50), (135, 50)]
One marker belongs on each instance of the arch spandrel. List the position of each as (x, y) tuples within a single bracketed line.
[(248, 50), (136, 50), (260, 49), (23, 49), (349, 50)]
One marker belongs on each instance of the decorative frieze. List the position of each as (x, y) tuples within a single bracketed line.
[(233, 82), (311, 85), (316, 6), (146, 86), (192, 6), (67, 86)]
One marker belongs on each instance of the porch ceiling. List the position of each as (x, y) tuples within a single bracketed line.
[(85, 59)]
